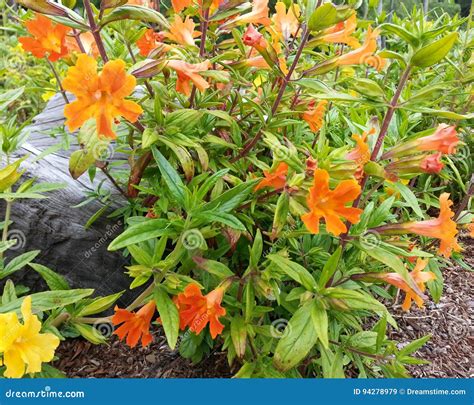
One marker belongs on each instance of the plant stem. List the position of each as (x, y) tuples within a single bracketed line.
[(58, 80), (465, 200), (134, 60), (378, 145), (95, 31), (247, 148), (204, 27)]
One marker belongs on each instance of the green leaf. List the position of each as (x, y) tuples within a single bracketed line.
[(400, 32), (140, 232), (294, 271), (230, 199), (170, 176), (9, 96), (297, 342), (89, 333), (169, 315), (18, 263), (214, 267), (53, 279), (46, 300), (319, 317), (435, 286), (434, 52), (330, 268), (413, 346), (9, 293), (143, 14), (99, 304), (221, 217), (323, 17), (238, 333), (409, 197)]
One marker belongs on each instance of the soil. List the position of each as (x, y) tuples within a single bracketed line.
[(449, 351)]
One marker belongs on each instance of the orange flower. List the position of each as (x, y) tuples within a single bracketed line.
[(364, 54), (99, 96), (315, 116), (275, 179), (444, 140), (286, 23), (88, 42), (254, 39), (432, 164), (49, 39), (470, 227), (180, 5), (196, 310), (149, 40), (331, 204), (442, 228), (135, 325), (188, 72), (418, 276), (361, 153), (182, 32), (258, 15), (144, 3), (342, 33)]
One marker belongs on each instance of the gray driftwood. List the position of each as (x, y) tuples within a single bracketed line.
[(57, 229)]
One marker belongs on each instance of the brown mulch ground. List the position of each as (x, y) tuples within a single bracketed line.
[(450, 349), (81, 359)]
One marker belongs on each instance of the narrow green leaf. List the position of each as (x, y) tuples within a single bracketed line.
[(169, 315)]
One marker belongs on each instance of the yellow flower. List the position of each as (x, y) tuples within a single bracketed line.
[(23, 347)]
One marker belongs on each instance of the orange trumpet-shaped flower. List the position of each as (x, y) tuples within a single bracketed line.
[(442, 228), (135, 326), (180, 5), (331, 204), (364, 54), (182, 32), (48, 38), (419, 277), (150, 40), (275, 179), (314, 116), (188, 72), (432, 164), (100, 96), (470, 227), (258, 15), (361, 153), (197, 310), (286, 23), (444, 140), (88, 43), (144, 3), (253, 38), (342, 33)]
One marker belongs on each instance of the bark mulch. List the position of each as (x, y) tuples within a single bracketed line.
[(450, 350)]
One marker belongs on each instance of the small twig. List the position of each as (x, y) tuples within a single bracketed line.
[(58, 80)]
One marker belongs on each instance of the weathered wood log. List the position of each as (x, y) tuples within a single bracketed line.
[(56, 228)]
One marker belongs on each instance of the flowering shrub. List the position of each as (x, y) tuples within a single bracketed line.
[(286, 175)]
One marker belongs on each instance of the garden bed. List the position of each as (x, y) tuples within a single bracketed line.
[(449, 351)]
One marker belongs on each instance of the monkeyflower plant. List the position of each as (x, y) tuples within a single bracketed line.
[(271, 172)]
